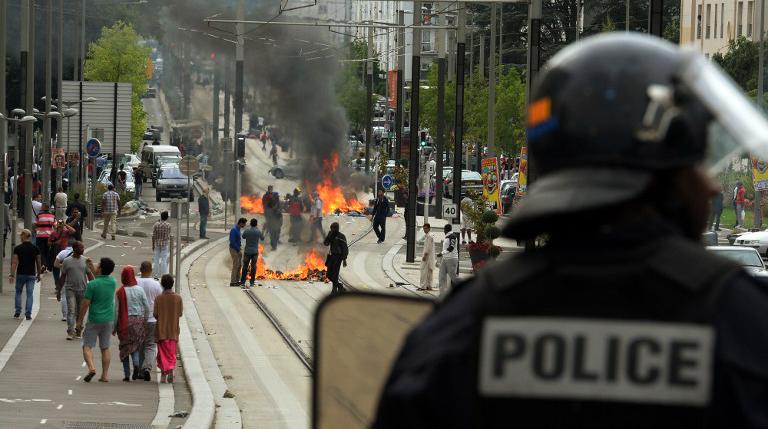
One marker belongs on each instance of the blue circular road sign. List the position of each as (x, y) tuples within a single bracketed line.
[(93, 147), (387, 181)]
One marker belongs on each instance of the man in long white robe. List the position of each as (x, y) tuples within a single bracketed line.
[(427, 260)]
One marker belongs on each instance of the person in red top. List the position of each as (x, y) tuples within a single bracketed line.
[(294, 210), (59, 239), (741, 202), (43, 231)]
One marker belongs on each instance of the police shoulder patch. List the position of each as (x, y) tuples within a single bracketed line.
[(596, 359)]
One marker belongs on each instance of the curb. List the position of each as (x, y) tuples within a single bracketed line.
[(199, 362)]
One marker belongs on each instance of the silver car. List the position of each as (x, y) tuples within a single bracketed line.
[(171, 182), (747, 257)]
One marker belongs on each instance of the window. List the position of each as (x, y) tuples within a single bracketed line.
[(698, 22), (709, 21), (739, 15), (323, 9), (714, 36), (750, 8), (426, 41), (722, 18)]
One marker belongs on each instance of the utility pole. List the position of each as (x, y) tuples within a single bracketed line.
[(226, 98), (59, 80), (3, 134), (481, 58), (80, 75), (440, 120), (48, 96), (239, 54), (758, 215), (656, 18), (28, 65), (626, 16), (471, 53), (534, 45), (491, 91), (216, 103), (459, 121), (413, 162), (400, 92), (369, 102)]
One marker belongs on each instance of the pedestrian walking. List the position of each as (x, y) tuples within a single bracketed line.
[(77, 204), (427, 260), (204, 209), (74, 278), (26, 268), (57, 261), (161, 244), (294, 211), (59, 239), (168, 311), (110, 209), (316, 218), (152, 290), (60, 203), (236, 250), (274, 215), (716, 210), (263, 138), (37, 206), (449, 260), (466, 223), (43, 230), (379, 215), (337, 255), (273, 154), (253, 237), (132, 314), (122, 181), (99, 304), (76, 222), (741, 202), (138, 178)]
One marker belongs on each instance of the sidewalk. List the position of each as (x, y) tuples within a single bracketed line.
[(41, 383)]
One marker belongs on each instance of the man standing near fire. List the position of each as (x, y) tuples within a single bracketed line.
[(379, 216), (316, 217)]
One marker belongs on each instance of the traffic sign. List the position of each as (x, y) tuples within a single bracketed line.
[(189, 165), (449, 210), (93, 147), (387, 181)]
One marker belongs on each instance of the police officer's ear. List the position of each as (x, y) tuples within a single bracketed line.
[(351, 364)]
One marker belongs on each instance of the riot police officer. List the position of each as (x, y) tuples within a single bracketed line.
[(622, 319)]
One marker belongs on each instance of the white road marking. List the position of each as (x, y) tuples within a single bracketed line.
[(69, 392), (43, 421), (13, 401), (60, 406), (112, 403), (21, 330), (78, 378)]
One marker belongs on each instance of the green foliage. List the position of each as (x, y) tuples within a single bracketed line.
[(608, 25), (118, 57), (350, 88), (484, 220), (740, 62)]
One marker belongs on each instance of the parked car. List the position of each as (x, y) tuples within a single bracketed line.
[(130, 160), (106, 174), (757, 240), (150, 155), (470, 181), (164, 162), (171, 182), (507, 198), (746, 257)]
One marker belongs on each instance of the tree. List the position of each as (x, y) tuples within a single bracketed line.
[(117, 57), (350, 88), (740, 62)]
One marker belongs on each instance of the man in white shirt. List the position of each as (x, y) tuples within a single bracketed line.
[(152, 289), (449, 261), (427, 260), (316, 218), (60, 204)]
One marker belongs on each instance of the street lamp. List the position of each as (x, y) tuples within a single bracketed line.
[(46, 167), (69, 104), (4, 149), (69, 113)]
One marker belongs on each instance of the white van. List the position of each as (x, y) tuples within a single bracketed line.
[(150, 154)]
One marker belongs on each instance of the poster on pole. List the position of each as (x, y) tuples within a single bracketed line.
[(490, 175), (760, 174), (58, 157), (522, 175), (392, 82)]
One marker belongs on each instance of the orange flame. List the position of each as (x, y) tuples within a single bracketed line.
[(313, 268), (331, 194), (251, 204)]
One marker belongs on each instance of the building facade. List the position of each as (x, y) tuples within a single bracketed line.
[(709, 25)]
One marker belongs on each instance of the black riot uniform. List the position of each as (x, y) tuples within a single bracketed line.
[(622, 319)]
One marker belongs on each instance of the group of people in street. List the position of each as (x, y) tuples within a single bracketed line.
[(143, 313), (447, 265), (296, 204)]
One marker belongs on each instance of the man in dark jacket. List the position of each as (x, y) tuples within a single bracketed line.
[(379, 216), (716, 211), (79, 205), (337, 255)]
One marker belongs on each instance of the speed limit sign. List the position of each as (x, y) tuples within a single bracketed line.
[(449, 211)]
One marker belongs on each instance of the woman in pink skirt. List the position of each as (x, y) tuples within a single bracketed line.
[(167, 311)]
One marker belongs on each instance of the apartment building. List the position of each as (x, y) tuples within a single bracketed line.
[(710, 25)]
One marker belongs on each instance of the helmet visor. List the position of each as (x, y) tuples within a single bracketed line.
[(738, 128)]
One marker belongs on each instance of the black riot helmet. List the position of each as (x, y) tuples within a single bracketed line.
[(605, 115)]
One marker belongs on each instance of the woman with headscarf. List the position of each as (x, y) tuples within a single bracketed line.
[(168, 309), (132, 313)]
